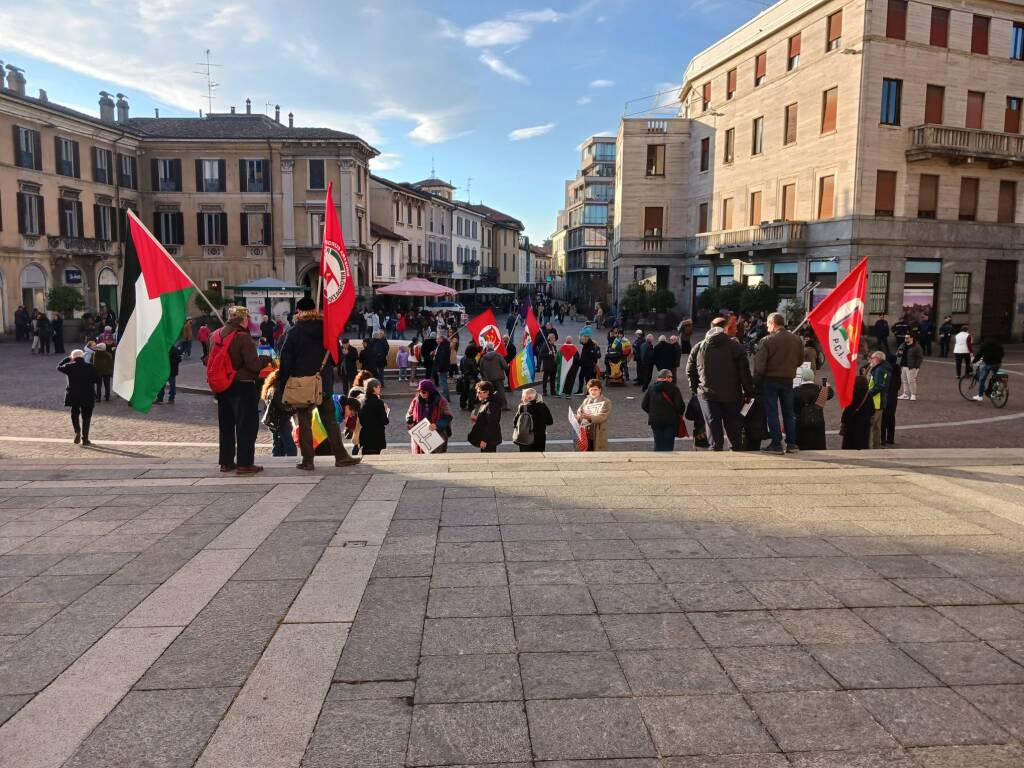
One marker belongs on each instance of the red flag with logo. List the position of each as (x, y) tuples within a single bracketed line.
[(484, 328), (837, 323), (339, 288), (531, 328)]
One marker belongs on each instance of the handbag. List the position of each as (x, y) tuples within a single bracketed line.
[(305, 391), (681, 430)]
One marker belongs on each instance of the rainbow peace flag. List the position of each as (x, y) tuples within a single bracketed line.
[(523, 369), (319, 431)]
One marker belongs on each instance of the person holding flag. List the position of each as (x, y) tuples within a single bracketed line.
[(568, 367)]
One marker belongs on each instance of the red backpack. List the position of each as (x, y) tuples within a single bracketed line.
[(220, 373)]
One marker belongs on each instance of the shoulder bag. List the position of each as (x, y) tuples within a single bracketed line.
[(305, 391)]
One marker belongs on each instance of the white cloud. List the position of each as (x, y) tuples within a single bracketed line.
[(520, 134), (234, 18), (584, 100), (385, 161), (545, 15), (666, 96), (496, 32), (499, 67), (432, 127), (602, 83)]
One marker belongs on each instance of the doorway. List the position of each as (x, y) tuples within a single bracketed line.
[(108, 289), (33, 288), (997, 304)]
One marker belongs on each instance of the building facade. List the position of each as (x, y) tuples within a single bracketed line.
[(466, 245), (439, 226), (405, 211)]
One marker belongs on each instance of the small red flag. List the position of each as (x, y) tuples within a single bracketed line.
[(339, 289), (837, 323), (532, 330), (484, 328)]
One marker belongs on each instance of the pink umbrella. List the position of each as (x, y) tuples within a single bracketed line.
[(416, 286)]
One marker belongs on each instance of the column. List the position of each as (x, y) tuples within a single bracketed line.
[(288, 204)]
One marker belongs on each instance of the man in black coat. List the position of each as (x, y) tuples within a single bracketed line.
[(302, 354), (590, 354), (664, 356), (267, 330), (347, 359), (171, 386), (427, 350), (381, 350), (80, 394), (719, 373)]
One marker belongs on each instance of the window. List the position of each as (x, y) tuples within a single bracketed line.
[(398, 212), (166, 175), (784, 278), (359, 180), (255, 227), (968, 199), (1017, 42), (935, 96), (788, 202), (730, 84), (705, 101), (28, 152), (760, 68), (834, 33), (655, 159), (826, 197), (408, 214), (885, 193), (757, 141), (961, 292), (1011, 122), (31, 219), (458, 254), (928, 196), (69, 214), (252, 176), (975, 110), (653, 221), (474, 230), (213, 228), (380, 265), (419, 217), (66, 154), (702, 217), (458, 225), (1007, 202), (391, 263), (892, 97), (705, 153), (730, 146), (316, 229), (829, 105), (170, 227), (755, 209), (939, 33), (103, 222), (979, 35), (317, 175), (793, 60), (896, 20), (102, 163), (595, 214), (430, 221), (789, 125), (878, 293), (727, 213), (210, 176)]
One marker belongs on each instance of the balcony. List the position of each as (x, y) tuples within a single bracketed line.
[(418, 269), (964, 145), (470, 267), (654, 246), (581, 262), (85, 246), (442, 267), (776, 235)]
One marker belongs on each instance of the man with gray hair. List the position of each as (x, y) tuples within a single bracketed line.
[(780, 354), (878, 375)]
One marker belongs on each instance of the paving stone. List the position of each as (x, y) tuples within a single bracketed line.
[(714, 596), (801, 546), (551, 599), (162, 729), (533, 532), (560, 633), (451, 637), (397, 689), (827, 626), (863, 593), (470, 552), (670, 548), (989, 622), (764, 569), (463, 533), (7, 583), (818, 720), (625, 763), (84, 565), (920, 717), (474, 514), (545, 572), (469, 575), (451, 602), (633, 598), (966, 663), (590, 729), (673, 673), (9, 705), (617, 572), (1010, 589), (902, 566), (972, 565), (26, 565), (20, 618), (571, 675), (704, 725), (536, 551), (608, 549), (690, 570), (944, 591), (372, 733), (443, 734), (756, 670), (650, 631), (791, 594), (122, 542), (1014, 649), (969, 757), (393, 566), (159, 563), (871, 665), (1002, 703), (888, 758), (452, 679), (53, 545), (913, 625), (740, 628)]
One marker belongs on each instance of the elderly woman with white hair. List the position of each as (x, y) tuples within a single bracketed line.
[(531, 422), (80, 394)]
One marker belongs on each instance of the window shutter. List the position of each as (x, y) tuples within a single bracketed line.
[(794, 45), (200, 230), (933, 101), (791, 117), (939, 33), (755, 208), (42, 215), (37, 150), (835, 26), (1007, 202), (179, 228), (223, 225), (80, 215), (706, 93), (828, 111), (176, 175), (975, 109), (789, 202), (21, 206), (243, 180), (928, 197), (222, 176), (760, 65), (96, 227), (77, 160), (56, 154), (154, 174), (16, 145), (157, 229), (979, 35), (268, 238), (730, 80), (968, 199), (1011, 122), (95, 165), (62, 226), (885, 193), (896, 20), (243, 219), (826, 197), (199, 176)]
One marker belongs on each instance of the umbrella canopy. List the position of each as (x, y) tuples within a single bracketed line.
[(416, 286), (487, 291)]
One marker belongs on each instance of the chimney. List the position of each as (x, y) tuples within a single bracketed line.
[(277, 113), (122, 108), (16, 79), (248, 107), (106, 107), (156, 111), (291, 119), (42, 95), (232, 109)]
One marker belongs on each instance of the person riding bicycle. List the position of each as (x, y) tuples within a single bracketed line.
[(991, 355)]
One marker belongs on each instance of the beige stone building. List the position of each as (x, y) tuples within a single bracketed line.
[(403, 210), (824, 131)]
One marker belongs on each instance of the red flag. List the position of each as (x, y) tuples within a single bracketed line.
[(837, 323), (484, 328), (531, 331), (339, 289)]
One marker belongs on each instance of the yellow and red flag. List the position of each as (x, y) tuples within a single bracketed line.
[(837, 322)]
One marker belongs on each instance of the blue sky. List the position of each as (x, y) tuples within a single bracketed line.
[(497, 92)]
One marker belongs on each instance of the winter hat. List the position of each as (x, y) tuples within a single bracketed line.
[(305, 304), (426, 385)]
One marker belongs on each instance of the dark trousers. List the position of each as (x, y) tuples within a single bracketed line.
[(926, 345), (171, 388), (238, 422), (882, 344), (305, 419), (44, 345), (962, 359), (723, 420), (85, 411), (103, 383), (58, 343), (664, 437), (643, 375), (583, 377), (776, 394), (549, 380), (889, 424), (943, 346), (346, 384), (489, 449)]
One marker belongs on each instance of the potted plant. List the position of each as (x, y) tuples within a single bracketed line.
[(67, 300)]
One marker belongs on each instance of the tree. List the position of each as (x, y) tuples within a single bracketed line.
[(216, 299), (636, 299), (663, 300), (759, 298), (64, 299), (709, 300)]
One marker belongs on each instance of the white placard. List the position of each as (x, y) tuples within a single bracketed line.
[(428, 440)]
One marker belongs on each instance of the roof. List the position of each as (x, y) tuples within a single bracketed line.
[(376, 230), (540, 250), (494, 216), (402, 187), (65, 111), (433, 182)]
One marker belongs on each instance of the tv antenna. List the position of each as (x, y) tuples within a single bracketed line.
[(207, 72), (433, 173), (469, 183)]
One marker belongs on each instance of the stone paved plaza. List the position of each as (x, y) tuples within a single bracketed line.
[(623, 610)]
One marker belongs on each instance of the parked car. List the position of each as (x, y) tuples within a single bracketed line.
[(447, 306)]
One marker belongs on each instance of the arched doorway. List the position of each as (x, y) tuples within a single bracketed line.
[(107, 289), (33, 288), (308, 278)]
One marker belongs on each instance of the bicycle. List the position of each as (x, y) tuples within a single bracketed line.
[(998, 390)]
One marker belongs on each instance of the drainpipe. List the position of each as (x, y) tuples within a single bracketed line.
[(270, 189)]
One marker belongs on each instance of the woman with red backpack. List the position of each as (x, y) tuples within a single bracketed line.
[(232, 368)]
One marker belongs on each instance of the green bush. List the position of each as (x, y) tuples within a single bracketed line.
[(216, 299), (759, 298), (64, 299), (663, 300), (636, 299)]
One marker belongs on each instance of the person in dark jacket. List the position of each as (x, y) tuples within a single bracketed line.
[(719, 373), (991, 355), (381, 350), (267, 330), (302, 354), (103, 361), (881, 334), (80, 393), (45, 331), (891, 401), (238, 405), (664, 355), (441, 364), (645, 362), (367, 358), (57, 325), (810, 418), (590, 355), (486, 417), (175, 360), (373, 418), (427, 350), (469, 375), (348, 357), (856, 420), (664, 405), (540, 414), (945, 335), (547, 353), (910, 356)]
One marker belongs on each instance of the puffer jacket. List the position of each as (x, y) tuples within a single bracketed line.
[(718, 369)]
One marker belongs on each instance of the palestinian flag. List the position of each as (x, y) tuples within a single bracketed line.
[(565, 365), (154, 294)]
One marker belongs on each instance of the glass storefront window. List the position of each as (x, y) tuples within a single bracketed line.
[(823, 273), (753, 274), (921, 288), (724, 275), (784, 279)]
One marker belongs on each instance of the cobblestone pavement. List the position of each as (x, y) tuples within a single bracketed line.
[(598, 611), (31, 400)]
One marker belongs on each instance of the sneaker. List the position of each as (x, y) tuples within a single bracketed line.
[(903, 397), (792, 448), (78, 438), (913, 397), (252, 469), (979, 398), (773, 448)]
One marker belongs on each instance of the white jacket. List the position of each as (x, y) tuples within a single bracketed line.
[(962, 343)]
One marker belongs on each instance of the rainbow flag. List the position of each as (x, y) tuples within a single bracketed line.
[(523, 370), (319, 431)]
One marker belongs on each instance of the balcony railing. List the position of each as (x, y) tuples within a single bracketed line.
[(668, 246), (470, 267), (442, 267), (777, 234), (577, 262), (81, 245), (418, 269), (961, 144)]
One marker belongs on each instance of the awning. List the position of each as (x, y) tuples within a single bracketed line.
[(416, 286)]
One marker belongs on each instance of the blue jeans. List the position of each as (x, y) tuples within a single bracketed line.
[(983, 375), (775, 394), (664, 438), (172, 390)]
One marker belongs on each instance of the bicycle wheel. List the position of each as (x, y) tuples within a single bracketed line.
[(968, 387), (1000, 394)]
